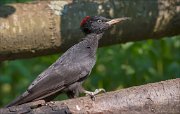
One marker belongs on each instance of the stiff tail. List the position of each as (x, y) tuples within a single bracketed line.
[(19, 100), (31, 96)]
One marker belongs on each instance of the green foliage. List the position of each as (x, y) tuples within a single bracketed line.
[(13, 1), (118, 66)]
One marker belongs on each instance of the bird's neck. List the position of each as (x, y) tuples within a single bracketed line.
[(94, 36), (91, 40)]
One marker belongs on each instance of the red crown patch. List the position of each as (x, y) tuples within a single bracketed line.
[(84, 20)]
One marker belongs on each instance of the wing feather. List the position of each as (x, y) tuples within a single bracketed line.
[(66, 70)]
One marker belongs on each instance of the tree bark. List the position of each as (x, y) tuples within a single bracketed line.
[(157, 98), (47, 27)]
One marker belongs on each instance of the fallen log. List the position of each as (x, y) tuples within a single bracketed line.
[(154, 98)]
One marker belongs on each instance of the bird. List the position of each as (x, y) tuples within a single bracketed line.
[(69, 71)]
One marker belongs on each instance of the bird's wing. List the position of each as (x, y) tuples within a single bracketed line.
[(57, 78), (63, 72)]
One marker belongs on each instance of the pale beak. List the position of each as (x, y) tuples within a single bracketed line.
[(117, 20)]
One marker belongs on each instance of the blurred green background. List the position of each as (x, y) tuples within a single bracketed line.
[(118, 66)]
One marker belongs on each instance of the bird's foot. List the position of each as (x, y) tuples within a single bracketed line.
[(92, 94)]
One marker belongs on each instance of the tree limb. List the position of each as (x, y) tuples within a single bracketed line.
[(44, 27), (157, 98)]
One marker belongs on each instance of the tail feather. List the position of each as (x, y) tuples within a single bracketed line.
[(19, 100), (32, 96)]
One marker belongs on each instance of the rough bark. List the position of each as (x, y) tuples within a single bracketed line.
[(44, 27), (157, 98)]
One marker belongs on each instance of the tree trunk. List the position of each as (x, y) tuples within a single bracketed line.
[(156, 98), (44, 27)]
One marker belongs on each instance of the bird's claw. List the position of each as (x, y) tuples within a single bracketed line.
[(92, 94), (97, 91)]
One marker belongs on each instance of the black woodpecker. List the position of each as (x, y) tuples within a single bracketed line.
[(69, 72)]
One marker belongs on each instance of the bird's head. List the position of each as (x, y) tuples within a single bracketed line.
[(98, 24)]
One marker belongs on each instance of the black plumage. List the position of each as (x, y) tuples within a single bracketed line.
[(72, 68)]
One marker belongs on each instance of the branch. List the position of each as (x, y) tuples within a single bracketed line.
[(157, 98), (44, 27)]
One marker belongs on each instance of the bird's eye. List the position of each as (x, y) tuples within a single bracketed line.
[(99, 21)]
